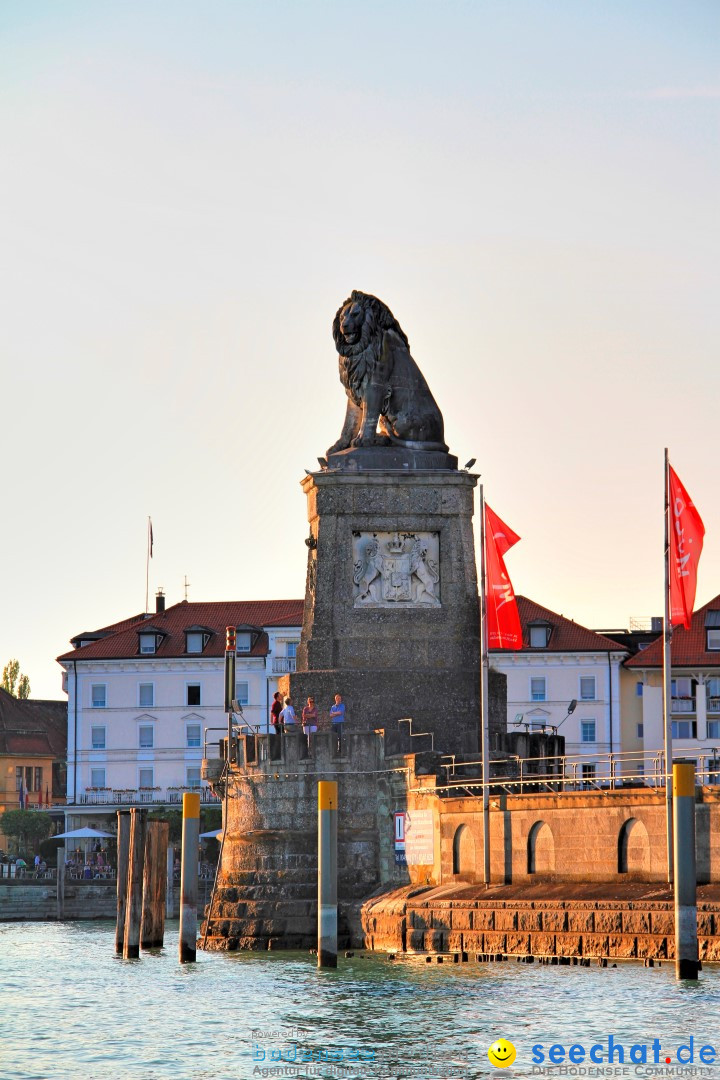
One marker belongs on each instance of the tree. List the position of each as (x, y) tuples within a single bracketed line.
[(27, 827), (16, 684)]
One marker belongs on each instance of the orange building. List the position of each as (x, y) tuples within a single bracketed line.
[(33, 753)]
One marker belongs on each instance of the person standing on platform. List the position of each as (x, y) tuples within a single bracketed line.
[(287, 716), (310, 719), (276, 713), (337, 717)]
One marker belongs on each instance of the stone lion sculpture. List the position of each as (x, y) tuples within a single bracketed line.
[(389, 402)]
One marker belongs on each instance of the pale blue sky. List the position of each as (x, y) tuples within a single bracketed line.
[(189, 190)]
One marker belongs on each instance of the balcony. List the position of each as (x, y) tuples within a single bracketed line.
[(713, 704), (283, 665), (683, 705), (140, 797)]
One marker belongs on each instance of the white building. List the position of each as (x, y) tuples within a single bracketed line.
[(144, 694), (695, 686), (562, 662)]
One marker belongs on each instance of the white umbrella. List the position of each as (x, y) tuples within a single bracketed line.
[(81, 834), (213, 833)]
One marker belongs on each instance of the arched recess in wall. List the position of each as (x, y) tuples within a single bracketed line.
[(540, 849), (633, 848), (463, 851)]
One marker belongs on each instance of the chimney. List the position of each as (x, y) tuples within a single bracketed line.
[(159, 601), (656, 624)]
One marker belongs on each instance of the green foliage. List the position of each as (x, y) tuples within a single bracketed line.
[(16, 684), (26, 827)]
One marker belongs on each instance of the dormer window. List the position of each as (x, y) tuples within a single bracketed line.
[(196, 638), (712, 631), (539, 635), (244, 641), (148, 643)]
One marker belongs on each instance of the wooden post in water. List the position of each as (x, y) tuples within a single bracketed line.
[(327, 873), (189, 877), (123, 854), (685, 877), (169, 895), (133, 910), (152, 925), (60, 882)]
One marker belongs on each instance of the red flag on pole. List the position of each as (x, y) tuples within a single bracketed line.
[(686, 541), (40, 798), (503, 620)]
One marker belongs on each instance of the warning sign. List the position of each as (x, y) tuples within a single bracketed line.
[(419, 838)]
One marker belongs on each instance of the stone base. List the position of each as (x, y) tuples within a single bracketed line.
[(390, 458)]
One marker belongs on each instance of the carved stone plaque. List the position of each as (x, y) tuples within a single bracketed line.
[(396, 569)]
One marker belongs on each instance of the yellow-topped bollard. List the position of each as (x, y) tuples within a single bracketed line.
[(687, 962), (189, 876), (327, 873)]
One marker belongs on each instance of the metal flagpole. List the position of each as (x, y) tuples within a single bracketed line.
[(667, 682), (147, 566), (484, 726)]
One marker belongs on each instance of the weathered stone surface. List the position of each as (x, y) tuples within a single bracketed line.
[(542, 944), (462, 919), (568, 944), (529, 920), (608, 922), (623, 946), (506, 920), (581, 921), (662, 922), (652, 947), (635, 922), (494, 943), (518, 944), (554, 919), (595, 945)]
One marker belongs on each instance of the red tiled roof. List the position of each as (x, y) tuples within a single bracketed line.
[(687, 648), (33, 726), (173, 622), (565, 636)]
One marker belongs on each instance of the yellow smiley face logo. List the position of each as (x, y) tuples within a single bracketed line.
[(501, 1053)]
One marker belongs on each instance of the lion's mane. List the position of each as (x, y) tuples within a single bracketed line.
[(358, 361)]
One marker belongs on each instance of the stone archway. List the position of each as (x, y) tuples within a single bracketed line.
[(633, 848), (540, 849), (463, 851)]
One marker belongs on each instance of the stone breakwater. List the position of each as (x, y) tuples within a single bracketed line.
[(632, 925)]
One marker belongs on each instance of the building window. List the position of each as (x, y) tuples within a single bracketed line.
[(97, 736), (713, 729), (146, 695), (194, 735), (99, 696), (713, 640), (242, 693), (587, 688), (683, 695), (712, 689), (192, 774), (148, 643), (587, 729), (291, 650), (37, 786), (712, 630), (146, 778), (684, 729), (193, 694), (539, 636), (640, 730), (97, 778), (538, 689), (244, 642), (638, 689), (195, 641), (146, 739)]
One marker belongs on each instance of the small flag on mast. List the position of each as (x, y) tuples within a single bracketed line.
[(686, 543), (22, 795), (504, 630), (150, 537)]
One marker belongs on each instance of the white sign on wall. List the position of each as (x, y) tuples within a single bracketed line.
[(419, 838)]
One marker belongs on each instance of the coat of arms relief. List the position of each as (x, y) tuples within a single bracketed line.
[(396, 569)]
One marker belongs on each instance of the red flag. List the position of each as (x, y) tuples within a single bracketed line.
[(686, 541), (40, 798), (503, 620)]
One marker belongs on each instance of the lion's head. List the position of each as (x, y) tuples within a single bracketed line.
[(358, 329)]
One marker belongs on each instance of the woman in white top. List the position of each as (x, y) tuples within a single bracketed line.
[(288, 714)]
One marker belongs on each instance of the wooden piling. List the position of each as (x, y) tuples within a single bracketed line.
[(169, 897), (60, 876), (152, 924), (123, 854), (133, 910)]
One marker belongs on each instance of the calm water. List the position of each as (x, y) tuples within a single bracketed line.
[(70, 1009)]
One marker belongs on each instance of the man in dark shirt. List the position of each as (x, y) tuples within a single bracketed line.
[(275, 710)]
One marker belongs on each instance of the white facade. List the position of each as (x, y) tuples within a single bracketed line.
[(540, 687), (137, 726), (695, 718)]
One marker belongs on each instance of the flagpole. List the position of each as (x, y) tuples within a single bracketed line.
[(147, 567), (667, 682), (484, 726)]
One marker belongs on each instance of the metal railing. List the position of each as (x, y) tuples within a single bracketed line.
[(135, 797), (283, 665)]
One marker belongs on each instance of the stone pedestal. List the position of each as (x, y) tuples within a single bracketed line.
[(391, 616)]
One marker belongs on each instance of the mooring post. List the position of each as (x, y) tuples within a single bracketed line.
[(685, 877), (133, 907), (60, 853), (189, 876), (327, 873), (123, 855), (169, 895), (152, 926)]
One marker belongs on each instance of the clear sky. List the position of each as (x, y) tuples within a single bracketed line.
[(189, 190)]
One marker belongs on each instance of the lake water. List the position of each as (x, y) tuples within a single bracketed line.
[(70, 1009)]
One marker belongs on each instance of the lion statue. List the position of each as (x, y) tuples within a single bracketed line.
[(389, 402)]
